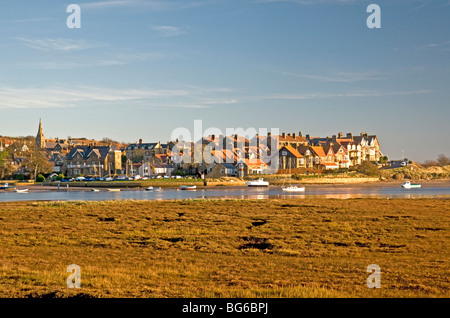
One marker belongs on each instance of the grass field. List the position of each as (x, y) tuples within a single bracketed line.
[(226, 248)]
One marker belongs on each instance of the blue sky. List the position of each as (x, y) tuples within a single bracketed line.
[(141, 68)]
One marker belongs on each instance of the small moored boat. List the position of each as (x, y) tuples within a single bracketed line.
[(149, 188), (6, 186), (293, 188), (188, 187), (113, 190), (95, 190), (409, 185), (258, 183), (21, 190)]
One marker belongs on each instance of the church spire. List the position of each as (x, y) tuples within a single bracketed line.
[(40, 138)]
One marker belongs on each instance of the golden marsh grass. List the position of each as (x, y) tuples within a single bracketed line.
[(226, 248)]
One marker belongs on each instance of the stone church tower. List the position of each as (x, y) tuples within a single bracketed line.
[(40, 138)]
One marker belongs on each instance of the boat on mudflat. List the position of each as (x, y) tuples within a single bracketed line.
[(293, 188), (258, 183), (6, 186), (21, 190), (183, 187), (409, 185)]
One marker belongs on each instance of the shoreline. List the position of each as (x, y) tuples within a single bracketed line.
[(87, 186)]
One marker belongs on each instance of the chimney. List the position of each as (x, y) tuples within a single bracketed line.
[(289, 134), (349, 136), (300, 133), (294, 135), (341, 135), (213, 137), (140, 141), (334, 137), (283, 135), (308, 137)]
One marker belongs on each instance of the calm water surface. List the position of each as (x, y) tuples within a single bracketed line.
[(322, 191)]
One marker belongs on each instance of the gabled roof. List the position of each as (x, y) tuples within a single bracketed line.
[(293, 151), (86, 152), (143, 146), (318, 150), (229, 165)]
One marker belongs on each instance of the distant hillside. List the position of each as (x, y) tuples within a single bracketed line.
[(417, 172)]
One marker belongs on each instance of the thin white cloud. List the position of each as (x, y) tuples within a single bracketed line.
[(108, 59), (440, 46), (168, 30), (355, 94), (337, 76), (311, 2), (81, 96), (61, 44), (155, 5)]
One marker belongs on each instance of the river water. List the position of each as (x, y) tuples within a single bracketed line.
[(313, 191)]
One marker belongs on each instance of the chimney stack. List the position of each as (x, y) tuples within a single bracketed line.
[(349, 136), (283, 135), (300, 133)]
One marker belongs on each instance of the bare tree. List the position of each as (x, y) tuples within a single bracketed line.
[(443, 160), (37, 162)]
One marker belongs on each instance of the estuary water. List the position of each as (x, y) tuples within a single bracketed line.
[(320, 191)]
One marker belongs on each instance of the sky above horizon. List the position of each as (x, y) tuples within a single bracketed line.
[(142, 68)]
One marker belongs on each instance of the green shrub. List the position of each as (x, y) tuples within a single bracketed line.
[(40, 178), (369, 169)]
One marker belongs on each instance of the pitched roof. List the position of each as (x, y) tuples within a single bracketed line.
[(318, 150), (86, 151), (293, 151)]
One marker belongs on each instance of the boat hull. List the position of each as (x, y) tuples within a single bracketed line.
[(188, 188), (294, 189), (257, 185)]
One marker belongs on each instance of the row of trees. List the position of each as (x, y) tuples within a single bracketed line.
[(441, 161)]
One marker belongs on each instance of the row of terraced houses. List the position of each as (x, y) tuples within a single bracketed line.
[(232, 155)]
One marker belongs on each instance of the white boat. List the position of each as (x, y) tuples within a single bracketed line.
[(113, 190), (188, 187), (293, 188), (149, 188), (21, 190), (6, 186), (409, 185), (95, 190), (157, 189), (258, 183)]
